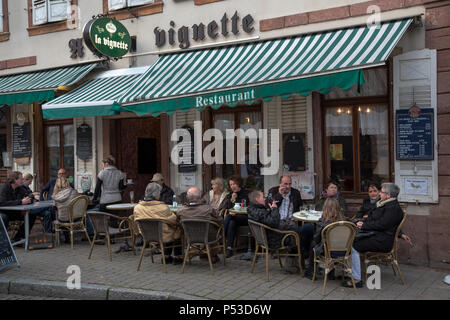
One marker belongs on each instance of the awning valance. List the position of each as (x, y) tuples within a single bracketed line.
[(96, 97), (40, 85), (315, 62)]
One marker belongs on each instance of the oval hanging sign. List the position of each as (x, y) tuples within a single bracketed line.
[(107, 37)]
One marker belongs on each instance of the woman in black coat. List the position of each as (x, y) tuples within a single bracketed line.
[(370, 203)]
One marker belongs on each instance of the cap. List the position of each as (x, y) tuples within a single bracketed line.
[(157, 177)]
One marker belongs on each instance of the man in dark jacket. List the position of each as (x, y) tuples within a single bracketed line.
[(257, 212), (288, 199), (382, 224), (13, 194), (166, 194)]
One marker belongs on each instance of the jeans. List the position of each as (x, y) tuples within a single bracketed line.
[(48, 214), (231, 226), (356, 265)]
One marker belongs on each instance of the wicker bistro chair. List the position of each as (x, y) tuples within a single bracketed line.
[(196, 235), (386, 257), (151, 231), (100, 222), (259, 232), (77, 218), (337, 238)]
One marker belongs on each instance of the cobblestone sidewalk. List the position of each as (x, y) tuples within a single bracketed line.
[(233, 281)]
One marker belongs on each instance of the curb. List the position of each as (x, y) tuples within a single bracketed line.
[(58, 289)]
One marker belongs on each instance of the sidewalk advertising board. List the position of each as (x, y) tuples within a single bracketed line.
[(7, 255)]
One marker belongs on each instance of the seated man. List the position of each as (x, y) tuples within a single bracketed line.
[(48, 188), (258, 212), (288, 201), (194, 209), (152, 208), (166, 193), (383, 221), (13, 194)]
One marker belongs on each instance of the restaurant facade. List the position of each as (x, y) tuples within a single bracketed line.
[(357, 93)]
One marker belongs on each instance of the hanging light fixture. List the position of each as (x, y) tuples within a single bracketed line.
[(359, 109), (339, 110), (368, 110)]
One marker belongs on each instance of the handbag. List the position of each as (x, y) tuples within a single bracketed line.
[(361, 234)]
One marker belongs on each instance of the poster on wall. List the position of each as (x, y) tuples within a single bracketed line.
[(304, 182), (188, 179), (336, 152), (417, 186), (294, 151)]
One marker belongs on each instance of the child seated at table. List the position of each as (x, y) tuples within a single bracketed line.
[(331, 213)]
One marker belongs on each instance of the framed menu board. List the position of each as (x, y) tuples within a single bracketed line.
[(84, 142), (21, 140), (415, 134)]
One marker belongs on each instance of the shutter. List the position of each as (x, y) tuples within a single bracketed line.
[(415, 78), (88, 166), (116, 4), (272, 120), (1, 17), (39, 8), (294, 119), (57, 10), (132, 3)]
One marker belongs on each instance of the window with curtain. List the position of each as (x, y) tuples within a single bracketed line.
[(60, 151), (357, 145)]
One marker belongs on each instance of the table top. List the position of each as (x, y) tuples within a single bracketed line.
[(307, 216), (121, 206), (26, 207), (242, 210)]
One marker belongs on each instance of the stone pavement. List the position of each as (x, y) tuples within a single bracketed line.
[(43, 269)]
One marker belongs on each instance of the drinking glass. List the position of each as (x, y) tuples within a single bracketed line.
[(312, 207), (132, 196), (244, 203)]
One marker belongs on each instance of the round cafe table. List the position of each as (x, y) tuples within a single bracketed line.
[(122, 207), (311, 216)]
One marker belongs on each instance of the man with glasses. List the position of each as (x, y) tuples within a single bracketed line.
[(51, 185)]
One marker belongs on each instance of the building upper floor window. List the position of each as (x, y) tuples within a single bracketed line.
[(1, 16), (45, 11), (4, 26), (120, 4)]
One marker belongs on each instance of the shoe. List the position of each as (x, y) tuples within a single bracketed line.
[(229, 253), (168, 260), (177, 261), (215, 259), (348, 284)]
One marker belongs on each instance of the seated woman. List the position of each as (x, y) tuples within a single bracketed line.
[(217, 194), (331, 213), (63, 193), (233, 220), (331, 191), (383, 222), (370, 204), (152, 208)]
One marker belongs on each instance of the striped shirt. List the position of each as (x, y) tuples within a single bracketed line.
[(286, 208)]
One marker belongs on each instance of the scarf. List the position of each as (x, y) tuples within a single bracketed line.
[(382, 203)]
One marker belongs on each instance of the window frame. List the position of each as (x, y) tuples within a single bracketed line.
[(134, 11), (60, 124), (4, 34), (49, 27)]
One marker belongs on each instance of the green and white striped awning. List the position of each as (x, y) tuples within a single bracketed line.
[(96, 97), (40, 85), (227, 75)]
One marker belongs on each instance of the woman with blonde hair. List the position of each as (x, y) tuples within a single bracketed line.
[(217, 193), (63, 193), (332, 212)]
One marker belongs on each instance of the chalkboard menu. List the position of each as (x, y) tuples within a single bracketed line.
[(7, 255), (294, 151), (21, 140), (415, 134), (84, 142), (187, 160)]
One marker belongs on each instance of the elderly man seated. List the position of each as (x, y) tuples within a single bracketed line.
[(195, 209), (257, 211), (152, 208), (380, 227)]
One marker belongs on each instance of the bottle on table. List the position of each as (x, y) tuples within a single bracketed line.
[(174, 202)]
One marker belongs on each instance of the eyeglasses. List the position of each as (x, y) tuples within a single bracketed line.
[(383, 192)]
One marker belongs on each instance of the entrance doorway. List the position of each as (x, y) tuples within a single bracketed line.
[(138, 152)]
